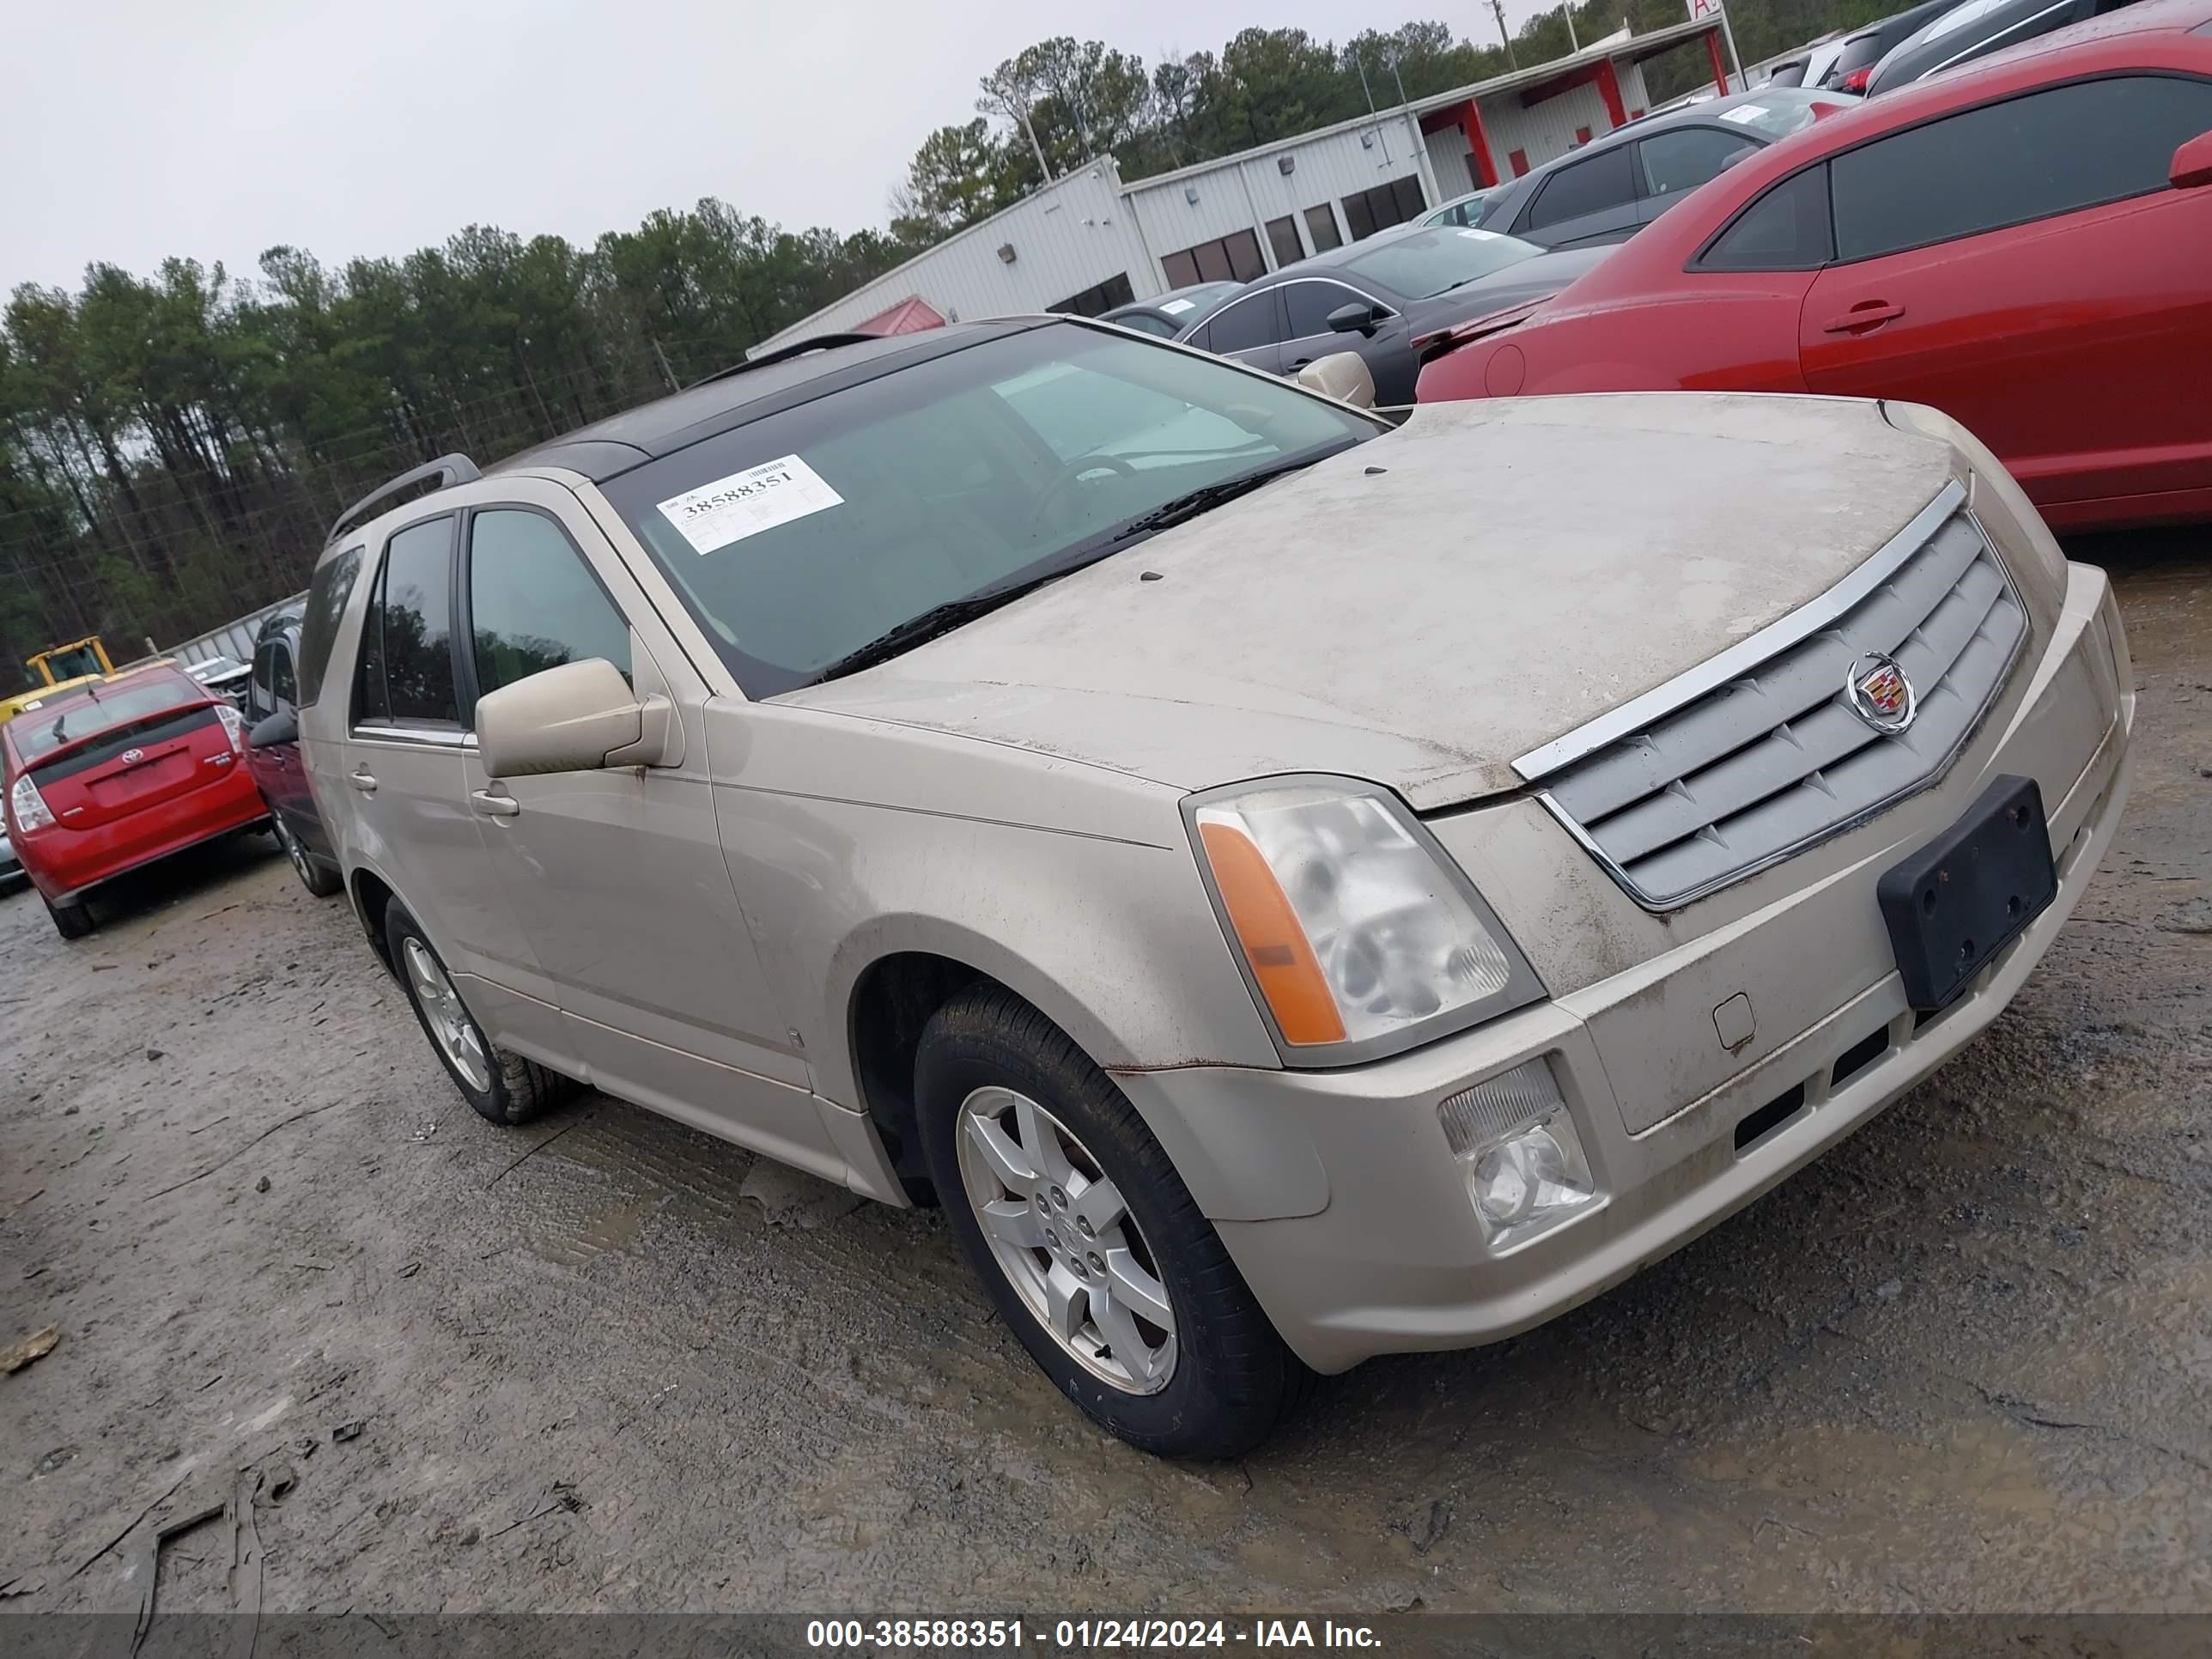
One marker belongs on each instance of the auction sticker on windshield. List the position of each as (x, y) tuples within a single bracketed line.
[(745, 503), (1744, 114)]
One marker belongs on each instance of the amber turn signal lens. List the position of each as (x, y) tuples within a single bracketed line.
[(1268, 931)]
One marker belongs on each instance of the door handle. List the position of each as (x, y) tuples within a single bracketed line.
[(363, 781), (500, 806), (1298, 364), (1867, 314)]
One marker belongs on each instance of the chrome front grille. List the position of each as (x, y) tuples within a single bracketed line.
[(1759, 753)]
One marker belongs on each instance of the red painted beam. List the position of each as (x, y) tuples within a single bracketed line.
[(1477, 145), (1608, 86), (1580, 77), (1713, 51)]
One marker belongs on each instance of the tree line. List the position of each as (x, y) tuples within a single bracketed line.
[(1058, 103), (173, 446)]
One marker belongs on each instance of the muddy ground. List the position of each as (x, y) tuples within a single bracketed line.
[(1963, 1362)]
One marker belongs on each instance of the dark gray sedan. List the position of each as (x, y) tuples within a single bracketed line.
[(1613, 186), (1378, 296)]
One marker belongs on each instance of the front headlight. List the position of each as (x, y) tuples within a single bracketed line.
[(1358, 935)]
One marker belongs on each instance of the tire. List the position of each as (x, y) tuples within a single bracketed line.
[(510, 1090), (320, 879), (1231, 1379), (71, 920)]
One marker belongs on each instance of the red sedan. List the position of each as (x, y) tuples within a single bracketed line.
[(2026, 244), (104, 777)]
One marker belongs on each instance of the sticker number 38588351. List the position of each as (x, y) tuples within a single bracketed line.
[(745, 503)]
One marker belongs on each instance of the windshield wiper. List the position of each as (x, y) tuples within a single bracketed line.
[(1206, 497), (944, 618), (937, 619)]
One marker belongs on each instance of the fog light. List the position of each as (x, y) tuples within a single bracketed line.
[(1523, 1161)]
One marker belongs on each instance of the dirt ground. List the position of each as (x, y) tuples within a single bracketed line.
[(1965, 1362)]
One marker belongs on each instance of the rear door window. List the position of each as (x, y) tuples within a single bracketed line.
[(407, 641), (2031, 157), (1604, 180), (533, 602)]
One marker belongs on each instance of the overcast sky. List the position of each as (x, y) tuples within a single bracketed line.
[(131, 130)]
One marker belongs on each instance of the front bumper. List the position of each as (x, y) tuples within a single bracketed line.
[(1342, 1206)]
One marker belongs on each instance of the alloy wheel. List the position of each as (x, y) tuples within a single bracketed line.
[(1066, 1240), (451, 1028), (293, 851)]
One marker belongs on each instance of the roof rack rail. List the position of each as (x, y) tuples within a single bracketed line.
[(781, 354), (448, 470)]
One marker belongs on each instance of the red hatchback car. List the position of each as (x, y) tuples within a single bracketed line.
[(103, 778), (2026, 244)]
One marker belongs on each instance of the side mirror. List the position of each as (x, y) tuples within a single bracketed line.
[(1355, 317), (277, 728), (576, 717), (1343, 375), (2193, 164)]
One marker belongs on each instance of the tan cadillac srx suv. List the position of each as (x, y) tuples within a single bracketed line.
[(1293, 886)]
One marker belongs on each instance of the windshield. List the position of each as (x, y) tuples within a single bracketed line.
[(1183, 304), (1428, 262), (1858, 52), (803, 536), (40, 732), (72, 664), (1780, 111)]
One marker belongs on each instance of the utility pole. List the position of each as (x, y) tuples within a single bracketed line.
[(1497, 7), (1043, 166), (1567, 11), (1360, 60)]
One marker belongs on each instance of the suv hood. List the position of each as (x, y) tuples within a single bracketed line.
[(1425, 607)]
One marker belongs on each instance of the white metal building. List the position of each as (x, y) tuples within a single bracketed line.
[(1087, 241)]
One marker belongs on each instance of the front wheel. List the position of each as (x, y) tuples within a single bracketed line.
[(1088, 1243), (503, 1087)]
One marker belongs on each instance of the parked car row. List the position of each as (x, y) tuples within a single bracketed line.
[(1379, 297), (1387, 296), (2022, 243)]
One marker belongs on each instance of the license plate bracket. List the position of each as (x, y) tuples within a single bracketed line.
[(1962, 898)]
